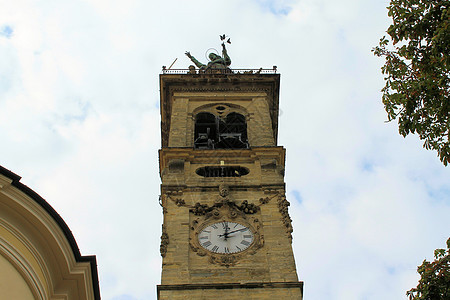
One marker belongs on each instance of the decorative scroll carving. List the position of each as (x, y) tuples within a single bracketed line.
[(164, 242), (283, 205), (196, 249), (264, 200), (248, 208), (173, 195), (179, 202), (204, 209), (224, 198), (226, 260), (200, 209)]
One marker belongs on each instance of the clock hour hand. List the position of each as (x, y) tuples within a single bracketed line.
[(226, 233)]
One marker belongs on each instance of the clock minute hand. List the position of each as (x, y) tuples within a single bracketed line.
[(227, 233), (242, 229)]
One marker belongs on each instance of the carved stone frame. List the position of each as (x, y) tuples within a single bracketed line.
[(225, 212)]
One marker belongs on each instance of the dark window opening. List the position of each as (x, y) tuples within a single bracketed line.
[(222, 171), (205, 131), (233, 132), (212, 132)]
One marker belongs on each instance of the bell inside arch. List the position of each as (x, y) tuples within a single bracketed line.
[(212, 132)]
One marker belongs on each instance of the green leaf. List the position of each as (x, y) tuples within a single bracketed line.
[(417, 69)]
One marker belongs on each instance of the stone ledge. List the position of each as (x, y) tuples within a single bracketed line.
[(221, 286)]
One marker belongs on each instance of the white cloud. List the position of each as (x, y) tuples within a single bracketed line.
[(79, 120)]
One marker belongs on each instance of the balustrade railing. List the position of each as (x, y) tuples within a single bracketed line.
[(220, 71)]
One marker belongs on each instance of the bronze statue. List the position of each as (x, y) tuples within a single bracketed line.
[(216, 61)]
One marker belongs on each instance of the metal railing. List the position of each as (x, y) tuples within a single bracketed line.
[(220, 71)]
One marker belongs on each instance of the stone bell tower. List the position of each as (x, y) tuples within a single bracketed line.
[(226, 231)]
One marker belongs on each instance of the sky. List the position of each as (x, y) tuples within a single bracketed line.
[(79, 122)]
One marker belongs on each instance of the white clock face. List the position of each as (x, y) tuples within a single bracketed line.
[(225, 237)]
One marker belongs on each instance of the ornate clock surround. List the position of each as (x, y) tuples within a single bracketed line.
[(226, 210)]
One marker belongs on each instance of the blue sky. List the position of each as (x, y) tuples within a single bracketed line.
[(281, 8), (79, 121), (6, 31)]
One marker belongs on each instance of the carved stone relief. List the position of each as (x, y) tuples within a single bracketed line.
[(164, 242), (283, 205), (226, 208)]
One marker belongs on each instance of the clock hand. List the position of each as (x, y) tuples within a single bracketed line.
[(242, 229), (226, 234), (226, 231)]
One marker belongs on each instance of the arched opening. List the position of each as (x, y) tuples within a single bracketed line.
[(212, 132), (233, 132), (205, 135)]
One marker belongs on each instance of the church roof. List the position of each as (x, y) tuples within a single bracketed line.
[(91, 259)]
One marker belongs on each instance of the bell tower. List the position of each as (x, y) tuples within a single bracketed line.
[(226, 229)]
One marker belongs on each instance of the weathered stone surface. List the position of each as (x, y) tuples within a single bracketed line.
[(191, 272)]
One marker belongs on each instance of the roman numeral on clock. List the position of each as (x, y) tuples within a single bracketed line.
[(215, 248), (247, 236), (207, 244), (245, 243)]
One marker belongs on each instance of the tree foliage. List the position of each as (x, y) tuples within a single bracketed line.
[(434, 283), (417, 69)]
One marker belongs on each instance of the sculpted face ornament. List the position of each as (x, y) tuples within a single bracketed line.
[(224, 190)]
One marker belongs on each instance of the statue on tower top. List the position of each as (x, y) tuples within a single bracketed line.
[(215, 61)]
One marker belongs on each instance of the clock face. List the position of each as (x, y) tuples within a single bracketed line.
[(225, 237)]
